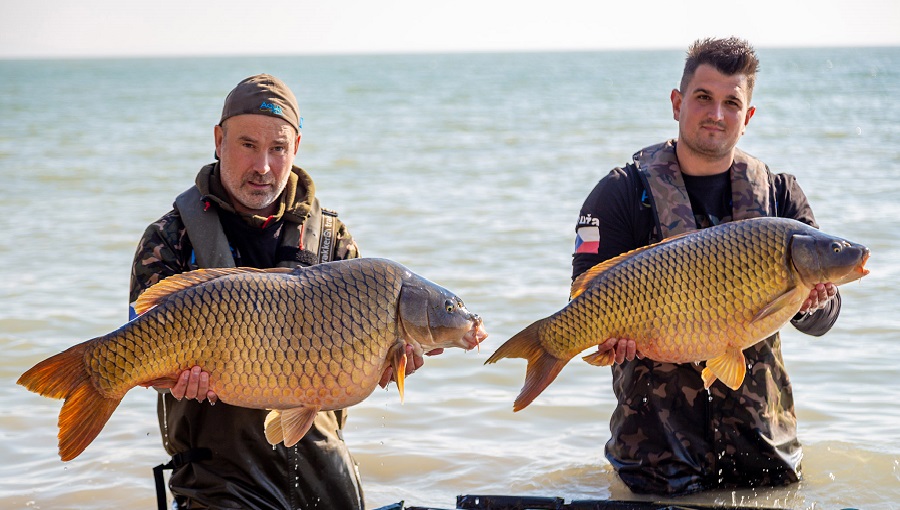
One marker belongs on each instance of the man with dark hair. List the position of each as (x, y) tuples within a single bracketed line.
[(730, 56), (668, 434), (253, 207)]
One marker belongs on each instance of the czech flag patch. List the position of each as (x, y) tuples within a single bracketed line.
[(587, 239)]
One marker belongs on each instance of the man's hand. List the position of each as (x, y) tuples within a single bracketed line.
[(413, 363), (626, 350), (192, 384), (818, 297)]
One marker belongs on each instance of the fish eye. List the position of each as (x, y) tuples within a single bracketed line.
[(448, 304), (836, 247)]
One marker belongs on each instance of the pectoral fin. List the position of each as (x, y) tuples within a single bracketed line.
[(601, 358), (397, 359), (289, 425), (778, 304), (730, 368)]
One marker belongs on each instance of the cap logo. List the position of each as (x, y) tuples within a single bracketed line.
[(274, 108)]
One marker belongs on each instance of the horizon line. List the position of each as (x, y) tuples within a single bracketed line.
[(361, 53)]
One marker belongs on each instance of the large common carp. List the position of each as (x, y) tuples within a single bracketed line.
[(702, 296), (294, 341)]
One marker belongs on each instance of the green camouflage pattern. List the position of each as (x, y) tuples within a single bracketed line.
[(669, 434), (661, 174)]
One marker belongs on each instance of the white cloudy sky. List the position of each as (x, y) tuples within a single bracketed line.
[(61, 28)]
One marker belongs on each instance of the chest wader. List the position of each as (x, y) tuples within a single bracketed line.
[(308, 243), (720, 437)]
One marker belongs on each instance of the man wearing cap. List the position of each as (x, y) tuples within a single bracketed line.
[(254, 208)]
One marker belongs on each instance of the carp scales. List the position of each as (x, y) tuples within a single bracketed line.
[(702, 296), (295, 341)]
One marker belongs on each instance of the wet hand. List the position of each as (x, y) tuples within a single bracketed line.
[(626, 350), (194, 384), (413, 363), (818, 297)]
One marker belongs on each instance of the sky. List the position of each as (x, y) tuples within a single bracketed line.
[(124, 28)]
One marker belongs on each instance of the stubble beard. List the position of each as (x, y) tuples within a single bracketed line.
[(708, 148), (254, 199), (257, 200)]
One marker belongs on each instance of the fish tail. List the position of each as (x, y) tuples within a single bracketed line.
[(542, 369), (85, 410)]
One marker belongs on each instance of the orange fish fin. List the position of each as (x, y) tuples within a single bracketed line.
[(708, 377), (85, 410), (788, 299), (584, 279), (601, 358), (172, 284), (542, 369), (274, 432), (289, 425), (397, 360), (730, 368)]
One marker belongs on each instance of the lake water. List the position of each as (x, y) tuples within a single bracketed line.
[(470, 169)]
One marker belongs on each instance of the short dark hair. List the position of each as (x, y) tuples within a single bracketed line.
[(729, 56)]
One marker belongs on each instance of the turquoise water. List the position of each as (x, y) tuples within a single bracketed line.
[(470, 169)]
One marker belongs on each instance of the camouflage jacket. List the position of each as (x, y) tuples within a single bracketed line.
[(222, 457), (668, 434)]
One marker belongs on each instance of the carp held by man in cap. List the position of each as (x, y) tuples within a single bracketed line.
[(295, 341), (702, 296)]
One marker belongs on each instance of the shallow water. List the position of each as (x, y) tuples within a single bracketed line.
[(470, 169)]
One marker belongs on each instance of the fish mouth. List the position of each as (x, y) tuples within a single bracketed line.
[(857, 272), (475, 335), (862, 265)]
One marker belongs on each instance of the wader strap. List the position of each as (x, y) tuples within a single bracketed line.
[(312, 229), (751, 182), (211, 247), (659, 171), (318, 231), (328, 235), (658, 168), (178, 460), (201, 221)]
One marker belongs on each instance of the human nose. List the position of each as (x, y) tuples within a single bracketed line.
[(262, 163), (716, 112)]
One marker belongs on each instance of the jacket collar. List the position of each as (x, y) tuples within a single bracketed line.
[(293, 204)]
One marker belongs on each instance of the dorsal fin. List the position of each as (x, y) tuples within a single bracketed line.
[(584, 279), (177, 282)]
